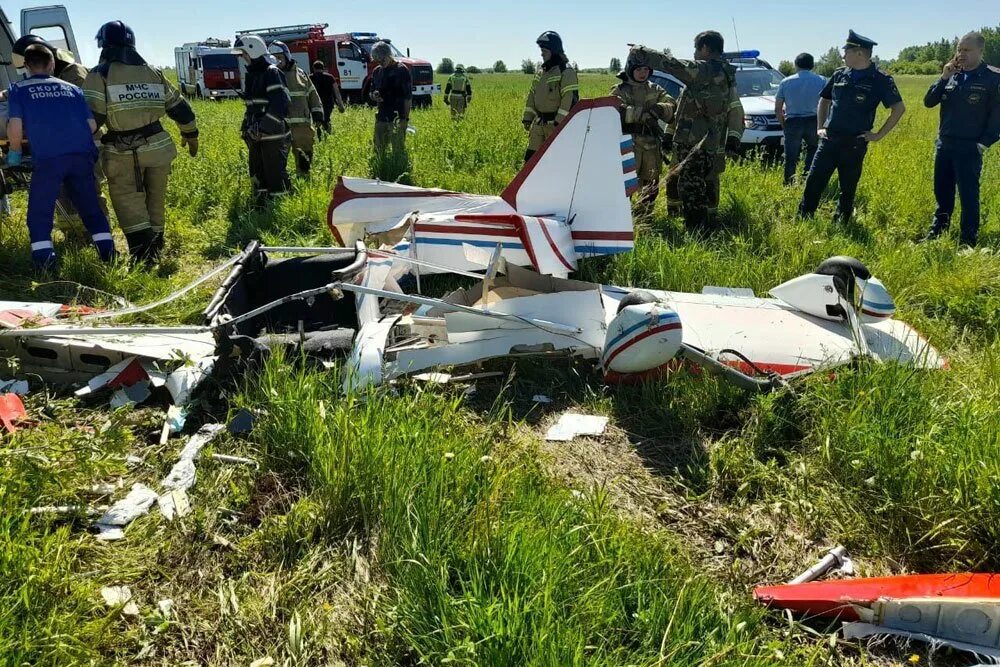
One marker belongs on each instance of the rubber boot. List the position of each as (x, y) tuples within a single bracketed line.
[(938, 227), (142, 246)]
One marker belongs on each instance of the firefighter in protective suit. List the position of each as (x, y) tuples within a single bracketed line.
[(644, 106), (265, 128), (458, 92), (66, 68), (707, 125), (129, 97), (553, 93), (304, 110)]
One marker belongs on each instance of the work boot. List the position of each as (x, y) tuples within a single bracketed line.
[(940, 225), (142, 246), (842, 218)]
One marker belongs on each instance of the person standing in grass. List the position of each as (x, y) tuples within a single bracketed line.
[(54, 116), (795, 106), (392, 91), (644, 106), (329, 95), (845, 118), (304, 110), (458, 92), (707, 126), (968, 93), (553, 93), (264, 127)]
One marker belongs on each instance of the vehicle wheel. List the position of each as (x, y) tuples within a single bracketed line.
[(422, 101), (197, 92)]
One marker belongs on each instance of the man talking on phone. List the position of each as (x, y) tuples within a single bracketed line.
[(969, 94)]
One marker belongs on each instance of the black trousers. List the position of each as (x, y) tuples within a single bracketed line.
[(268, 161), (846, 156), (799, 131)]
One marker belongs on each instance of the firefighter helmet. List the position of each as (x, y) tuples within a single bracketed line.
[(115, 33), (459, 69), (252, 45), (634, 61), (278, 48), (22, 44), (552, 41)]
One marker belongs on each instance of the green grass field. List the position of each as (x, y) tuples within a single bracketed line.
[(427, 526)]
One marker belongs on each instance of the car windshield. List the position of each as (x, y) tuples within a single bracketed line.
[(367, 46), (757, 82), (219, 61)]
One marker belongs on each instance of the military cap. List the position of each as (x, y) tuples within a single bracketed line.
[(855, 41)]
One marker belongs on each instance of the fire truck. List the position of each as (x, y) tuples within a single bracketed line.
[(347, 57), (208, 69)]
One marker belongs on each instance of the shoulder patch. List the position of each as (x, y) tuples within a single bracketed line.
[(995, 70)]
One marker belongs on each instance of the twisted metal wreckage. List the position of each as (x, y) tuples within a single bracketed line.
[(570, 201)]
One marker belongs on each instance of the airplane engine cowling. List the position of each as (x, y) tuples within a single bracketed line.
[(641, 337)]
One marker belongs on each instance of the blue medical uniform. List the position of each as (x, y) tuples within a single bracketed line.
[(54, 115)]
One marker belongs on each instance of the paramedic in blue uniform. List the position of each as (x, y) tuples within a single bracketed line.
[(969, 94), (53, 116), (845, 118)]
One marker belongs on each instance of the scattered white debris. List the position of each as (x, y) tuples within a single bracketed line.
[(136, 504), (436, 378), (541, 398), (198, 441), (182, 476), (68, 509), (133, 460), (263, 662), (166, 607), (19, 387), (226, 458), (120, 596), (109, 533), (123, 374), (183, 381), (132, 395), (176, 417), (571, 425), (174, 504)]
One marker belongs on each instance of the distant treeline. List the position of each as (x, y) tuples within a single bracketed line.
[(931, 57)]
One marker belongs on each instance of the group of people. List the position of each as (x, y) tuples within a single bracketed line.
[(834, 119), (68, 111)]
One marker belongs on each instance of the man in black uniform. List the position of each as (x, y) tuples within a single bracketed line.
[(969, 94), (265, 128), (845, 118), (392, 91), (329, 94)]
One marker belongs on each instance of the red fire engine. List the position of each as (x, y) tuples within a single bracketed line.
[(346, 56)]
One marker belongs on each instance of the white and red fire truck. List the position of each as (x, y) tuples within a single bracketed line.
[(208, 69), (346, 56)]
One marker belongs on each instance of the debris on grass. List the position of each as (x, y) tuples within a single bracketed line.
[(136, 504), (836, 559), (174, 505), (226, 458), (241, 423), (11, 411), (572, 425), (19, 387), (541, 398), (120, 596)]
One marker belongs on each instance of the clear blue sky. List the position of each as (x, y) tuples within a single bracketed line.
[(481, 32)]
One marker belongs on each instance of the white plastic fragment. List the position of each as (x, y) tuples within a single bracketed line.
[(183, 381), (136, 504), (263, 662), (166, 607), (182, 476), (133, 395), (571, 425), (174, 504), (198, 441), (541, 398), (109, 533), (435, 378), (226, 458), (120, 596)]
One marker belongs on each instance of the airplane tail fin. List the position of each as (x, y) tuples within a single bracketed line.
[(584, 174)]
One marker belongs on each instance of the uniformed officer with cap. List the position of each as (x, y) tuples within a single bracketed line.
[(129, 97), (553, 93), (969, 95), (846, 117)]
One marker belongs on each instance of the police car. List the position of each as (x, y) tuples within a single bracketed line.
[(757, 83)]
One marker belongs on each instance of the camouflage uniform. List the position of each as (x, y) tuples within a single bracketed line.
[(305, 109), (709, 115), (458, 93), (130, 97), (553, 93), (644, 105)]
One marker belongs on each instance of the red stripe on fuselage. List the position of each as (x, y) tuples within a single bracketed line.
[(646, 334)]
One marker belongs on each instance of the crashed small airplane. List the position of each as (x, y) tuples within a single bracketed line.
[(345, 302), (570, 201)]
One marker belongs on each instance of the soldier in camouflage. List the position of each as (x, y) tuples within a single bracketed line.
[(709, 120), (553, 93), (644, 106), (129, 97)]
